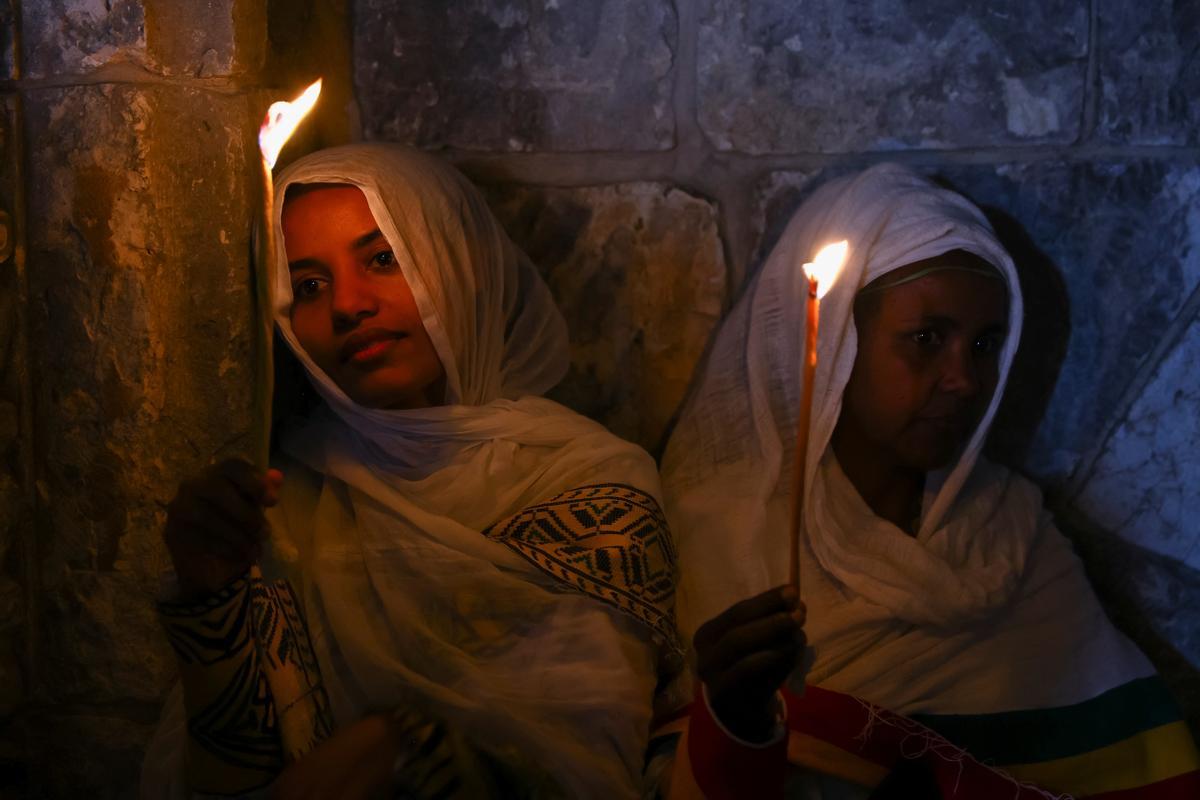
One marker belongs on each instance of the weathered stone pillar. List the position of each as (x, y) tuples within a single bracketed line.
[(139, 126)]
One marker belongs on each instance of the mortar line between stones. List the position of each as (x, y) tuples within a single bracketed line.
[(615, 167), (1188, 313), (127, 74), (1091, 87)]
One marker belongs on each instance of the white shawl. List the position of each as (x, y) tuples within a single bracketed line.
[(987, 607), (381, 520), (409, 602)]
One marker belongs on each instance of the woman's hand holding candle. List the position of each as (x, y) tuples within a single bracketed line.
[(743, 656), (215, 525)]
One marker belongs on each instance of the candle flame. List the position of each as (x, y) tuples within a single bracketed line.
[(826, 265), (282, 119)]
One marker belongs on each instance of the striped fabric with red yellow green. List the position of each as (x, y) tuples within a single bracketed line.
[(1128, 743)]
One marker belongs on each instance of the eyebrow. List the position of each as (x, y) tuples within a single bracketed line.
[(367, 238), (304, 263), (357, 244)]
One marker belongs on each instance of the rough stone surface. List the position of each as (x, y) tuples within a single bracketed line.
[(517, 75), (1149, 73), (95, 756), (197, 38), (74, 36), (836, 76), (639, 274), (1107, 236), (15, 512), (7, 28), (139, 225), (1145, 487)]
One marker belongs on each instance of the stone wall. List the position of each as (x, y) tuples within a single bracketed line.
[(125, 342), (1073, 123), (646, 154)]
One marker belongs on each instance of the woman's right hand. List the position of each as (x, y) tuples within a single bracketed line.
[(215, 525), (744, 655)]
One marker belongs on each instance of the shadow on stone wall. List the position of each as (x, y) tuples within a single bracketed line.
[(1044, 337)]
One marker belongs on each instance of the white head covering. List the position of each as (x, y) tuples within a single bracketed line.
[(729, 459), (411, 604), (491, 318)]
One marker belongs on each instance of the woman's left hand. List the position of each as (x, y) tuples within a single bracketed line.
[(356, 762)]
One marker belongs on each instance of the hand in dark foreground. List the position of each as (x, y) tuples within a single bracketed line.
[(382, 755), (744, 655), (215, 525)]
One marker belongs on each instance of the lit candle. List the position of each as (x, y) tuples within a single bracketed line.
[(281, 121), (301, 707), (820, 273)]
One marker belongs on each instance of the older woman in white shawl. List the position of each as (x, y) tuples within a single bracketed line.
[(949, 622), (472, 586)]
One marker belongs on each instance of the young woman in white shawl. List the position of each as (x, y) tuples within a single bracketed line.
[(949, 624), (472, 586)]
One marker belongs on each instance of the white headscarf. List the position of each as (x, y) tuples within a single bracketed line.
[(869, 586), (409, 602)]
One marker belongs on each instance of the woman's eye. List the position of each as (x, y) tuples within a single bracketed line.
[(987, 345), (927, 338), (385, 259), (309, 287)]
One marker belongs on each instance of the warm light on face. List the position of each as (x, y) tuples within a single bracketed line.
[(826, 265), (282, 119)]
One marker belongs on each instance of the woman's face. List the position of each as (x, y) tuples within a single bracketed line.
[(353, 312), (927, 365)]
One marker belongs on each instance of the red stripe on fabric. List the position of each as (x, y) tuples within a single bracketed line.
[(1181, 787), (727, 770), (884, 738)]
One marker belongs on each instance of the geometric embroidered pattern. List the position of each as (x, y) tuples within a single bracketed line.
[(608, 541), (234, 733), (289, 664), (251, 681)]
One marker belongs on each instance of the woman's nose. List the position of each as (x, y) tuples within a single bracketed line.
[(353, 298), (959, 372)]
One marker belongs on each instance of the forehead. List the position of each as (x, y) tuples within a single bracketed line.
[(968, 298)]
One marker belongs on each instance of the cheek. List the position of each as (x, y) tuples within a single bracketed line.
[(311, 332)]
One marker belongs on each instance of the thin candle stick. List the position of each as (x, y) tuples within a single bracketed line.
[(803, 418), (820, 275)]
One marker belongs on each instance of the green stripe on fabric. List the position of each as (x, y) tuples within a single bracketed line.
[(1044, 734)]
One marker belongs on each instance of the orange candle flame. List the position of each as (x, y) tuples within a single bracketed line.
[(825, 267), (282, 119)]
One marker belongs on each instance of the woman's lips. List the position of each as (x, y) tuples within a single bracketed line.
[(371, 352), (363, 348)]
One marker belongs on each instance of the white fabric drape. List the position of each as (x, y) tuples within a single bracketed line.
[(380, 526), (948, 620), (412, 603)]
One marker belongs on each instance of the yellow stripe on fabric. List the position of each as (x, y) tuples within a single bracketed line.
[(815, 754), (1151, 756)]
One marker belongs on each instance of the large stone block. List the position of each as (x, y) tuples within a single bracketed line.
[(1145, 487), (518, 75), (639, 274), (141, 340), (1103, 249), (170, 37), (835, 76), (1149, 73), (72, 36)]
